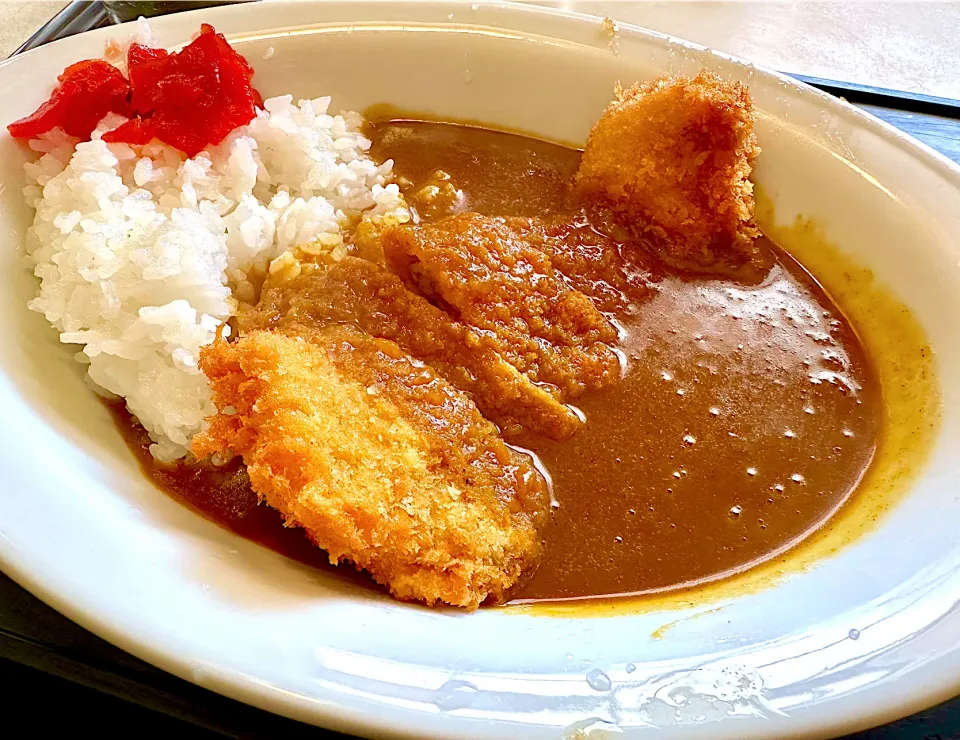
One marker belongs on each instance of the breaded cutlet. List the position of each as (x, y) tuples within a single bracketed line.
[(494, 275), (671, 160), (381, 461), (358, 292)]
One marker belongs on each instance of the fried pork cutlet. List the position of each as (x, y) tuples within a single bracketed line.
[(494, 275), (612, 274), (380, 460), (355, 291), (670, 159)]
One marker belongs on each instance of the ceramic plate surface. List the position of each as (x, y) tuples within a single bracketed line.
[(869, 634)]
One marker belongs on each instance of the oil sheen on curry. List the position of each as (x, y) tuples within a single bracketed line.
[(570, 374)]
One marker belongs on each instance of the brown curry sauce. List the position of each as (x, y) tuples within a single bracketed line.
[(747, 414)]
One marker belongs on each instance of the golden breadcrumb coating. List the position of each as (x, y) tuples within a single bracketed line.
[(671, 159), (494, 275), (380, 460), (366, 295)]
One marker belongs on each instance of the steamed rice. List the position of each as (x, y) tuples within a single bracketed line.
[(142, 254)]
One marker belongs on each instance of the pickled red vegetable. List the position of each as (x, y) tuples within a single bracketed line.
[(88, 90), (191, 99)]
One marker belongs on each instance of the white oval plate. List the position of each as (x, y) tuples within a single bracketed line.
[(81, 527)]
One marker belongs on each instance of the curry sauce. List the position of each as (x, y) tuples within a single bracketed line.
[(744, 415)]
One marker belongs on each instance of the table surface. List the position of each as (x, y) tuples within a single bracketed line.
[(909, 46), (899, 45)]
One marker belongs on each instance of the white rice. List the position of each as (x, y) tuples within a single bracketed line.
[(142, 254)]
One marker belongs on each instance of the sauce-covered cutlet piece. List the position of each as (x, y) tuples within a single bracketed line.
[(615, 275), (671, 159), (380, 460), (358, 292), (493, 274)]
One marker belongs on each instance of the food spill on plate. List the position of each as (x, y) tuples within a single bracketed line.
[(479, 366)]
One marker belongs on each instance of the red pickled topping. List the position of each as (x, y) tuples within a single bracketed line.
[(139, 54), (190, 99), (197, 96), (88, 90), (134, 131), (145, 67)]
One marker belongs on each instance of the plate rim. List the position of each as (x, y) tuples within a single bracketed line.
[(308, 709)]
